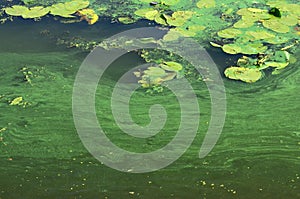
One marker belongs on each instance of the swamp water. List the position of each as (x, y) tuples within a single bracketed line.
[(256, 156)]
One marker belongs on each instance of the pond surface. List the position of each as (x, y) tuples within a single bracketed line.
[(257, 155)]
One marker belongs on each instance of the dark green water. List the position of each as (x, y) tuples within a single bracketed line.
[(257, 155)]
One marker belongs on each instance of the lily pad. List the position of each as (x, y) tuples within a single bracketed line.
[(276, 26), (229, 33), (126, 20), (16, 10), (68, 8), (243, 24), (231, 48), (151, 14), (142, 12), (178, 18), (248, 75), (253, 48), (172, 35), (155, 72), (171, 66), (260, 34), (276, 40), (206, 4), (25, 12), (196, 28)]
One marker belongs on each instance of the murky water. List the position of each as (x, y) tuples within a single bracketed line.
[(257, 155)]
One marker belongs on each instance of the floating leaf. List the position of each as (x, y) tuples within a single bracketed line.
[(215, 44), (196, 28), (260, 34), (248, 75), (16, 10), (231, 48), (276, 26), (243, 24), (289, 20), (253, 48), (35, 12), (171, 66), (16, 101), (229, 33), (155, 71), (151, 14), (126, 20), (160, 19), (142, 12), (169, 2), (172, 35), (178, 18), (278, 65), (206, 4), (276, 40)]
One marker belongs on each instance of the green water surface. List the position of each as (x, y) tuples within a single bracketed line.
[(41, 155)]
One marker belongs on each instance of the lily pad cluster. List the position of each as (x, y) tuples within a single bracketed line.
[(178, 18), (250, 69), (261, 32), (156, 75), (60, 9)]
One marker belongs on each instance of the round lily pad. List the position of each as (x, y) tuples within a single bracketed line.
[(16, 10), (275, 25), (289, 20), (248, 75), (231, 48), (206, 4), (276, 40), (243, 24), (35, 12), (229, 33), (253, 48), (196, 28), (260, 34), (142, 12)]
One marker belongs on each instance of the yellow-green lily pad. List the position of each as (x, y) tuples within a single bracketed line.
[(260, 34), (231, 48), (151, 14), (16, 10), (35, 12), (275, 25), (171, 66), (243, 24), (229, 33), (142, 12), (206, 4), (248, 75)]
